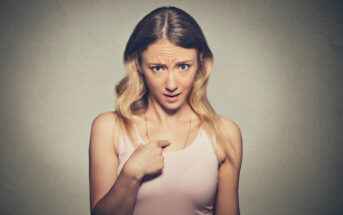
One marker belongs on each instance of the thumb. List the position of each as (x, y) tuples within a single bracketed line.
[(139, 145), (163, 143)]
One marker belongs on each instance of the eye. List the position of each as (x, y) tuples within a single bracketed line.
[(184, 67), (156, 68)]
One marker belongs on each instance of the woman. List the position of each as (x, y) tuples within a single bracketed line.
[(165, 150)]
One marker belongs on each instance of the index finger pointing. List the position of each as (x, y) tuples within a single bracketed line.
[(163, 143)]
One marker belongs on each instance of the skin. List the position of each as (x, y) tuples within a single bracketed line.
[(168, 69)]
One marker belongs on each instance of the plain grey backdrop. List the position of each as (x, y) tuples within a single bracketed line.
[(277, 74)]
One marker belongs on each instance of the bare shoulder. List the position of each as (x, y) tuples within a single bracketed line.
[(233, 147), (105, 120), (105, 126), (230, 126)]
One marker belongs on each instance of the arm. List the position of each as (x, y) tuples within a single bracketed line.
[(227, 200), (109, 194)]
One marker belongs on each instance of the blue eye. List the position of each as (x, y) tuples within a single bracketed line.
[(156, 68), (184, 67)]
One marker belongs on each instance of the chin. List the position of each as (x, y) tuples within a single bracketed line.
[(173, 106)]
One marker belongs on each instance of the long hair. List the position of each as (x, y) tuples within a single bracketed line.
[(182, 30)]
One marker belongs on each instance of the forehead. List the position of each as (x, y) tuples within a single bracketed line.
[(164, 51)]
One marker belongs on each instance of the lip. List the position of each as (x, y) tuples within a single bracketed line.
[(172, 97)]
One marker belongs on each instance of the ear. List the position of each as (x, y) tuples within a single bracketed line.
[(139, 68), (200, 56)]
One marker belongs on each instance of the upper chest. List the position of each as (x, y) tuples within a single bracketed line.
[(196, 134)]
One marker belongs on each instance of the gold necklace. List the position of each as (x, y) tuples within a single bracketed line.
[(146, 128)]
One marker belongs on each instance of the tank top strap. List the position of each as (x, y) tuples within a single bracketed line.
[(124, 145), (138, 136), (208, 144), (125, 149)]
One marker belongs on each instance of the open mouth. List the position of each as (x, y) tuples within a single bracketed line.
[(172, 98)]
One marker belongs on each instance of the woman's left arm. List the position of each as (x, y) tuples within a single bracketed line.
[(227, 200)]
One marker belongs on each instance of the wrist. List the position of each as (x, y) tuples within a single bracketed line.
[(131, 173)]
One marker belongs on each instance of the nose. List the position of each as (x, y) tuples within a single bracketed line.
[(171, 82)]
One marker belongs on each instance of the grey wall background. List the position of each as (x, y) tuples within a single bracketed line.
[(278, 74)]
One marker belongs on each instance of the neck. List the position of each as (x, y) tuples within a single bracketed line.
[(167, 117)]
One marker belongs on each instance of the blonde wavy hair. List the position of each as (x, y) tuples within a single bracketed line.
[(181, 29)]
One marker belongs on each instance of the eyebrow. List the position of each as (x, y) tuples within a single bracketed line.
[(161, 64)]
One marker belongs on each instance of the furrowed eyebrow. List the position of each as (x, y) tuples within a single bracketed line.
[(184, 62), (161, 64), (155, 64)]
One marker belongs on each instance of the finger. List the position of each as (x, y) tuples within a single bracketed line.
[(163, 143), (139, 145)]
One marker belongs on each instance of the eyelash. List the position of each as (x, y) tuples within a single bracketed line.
[(152, 68), (161, 67), (188, 66)]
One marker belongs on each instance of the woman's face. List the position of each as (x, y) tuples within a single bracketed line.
[(169, 71)]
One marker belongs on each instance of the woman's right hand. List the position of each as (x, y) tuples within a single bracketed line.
[(146, 159)]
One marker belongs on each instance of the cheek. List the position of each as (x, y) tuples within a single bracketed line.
[(189, 81), (152, 83), (187, 84)]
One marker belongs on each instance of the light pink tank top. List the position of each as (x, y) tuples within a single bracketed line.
[(188, 182)]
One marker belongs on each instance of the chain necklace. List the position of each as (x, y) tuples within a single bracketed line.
[(146, 128)]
